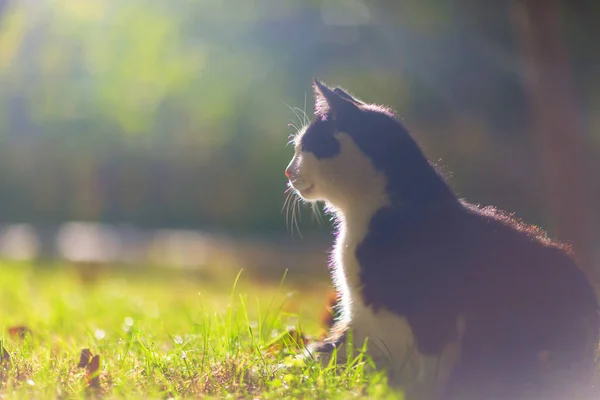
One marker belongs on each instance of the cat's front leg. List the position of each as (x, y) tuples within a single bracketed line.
[(325, 350)]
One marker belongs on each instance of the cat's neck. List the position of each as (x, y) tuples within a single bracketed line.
[(354, 216), (353, 220), (420, 188)]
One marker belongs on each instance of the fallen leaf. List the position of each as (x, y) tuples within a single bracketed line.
[(291, 339), (4, 355), (88, 271), (331, 312), (84, 358), (169, 396), (20, 331), (91, 364), (93, 373)]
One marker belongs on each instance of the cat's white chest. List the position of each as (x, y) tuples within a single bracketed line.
[(389, 338)]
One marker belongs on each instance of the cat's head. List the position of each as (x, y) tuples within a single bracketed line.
[(352, 152)]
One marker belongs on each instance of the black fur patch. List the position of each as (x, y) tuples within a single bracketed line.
[(411, 178), (346, 95), (518, 292), (319, 140)]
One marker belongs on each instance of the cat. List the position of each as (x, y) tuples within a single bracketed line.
[(453, 300)]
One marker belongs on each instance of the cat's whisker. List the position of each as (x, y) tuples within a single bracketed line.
[(301, 118), (293, 125), (301, 115), (299, 218), (296, 215), (294, 222), (288, 193), (299, 215), (316, 213), (286, 204), (298, 204), (292, 216), (298, 113), (293, 109), (306, 117)]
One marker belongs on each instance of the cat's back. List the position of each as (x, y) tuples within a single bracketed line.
[(528, 304), (469, 241), (505, 252), (501, 264), (503, 275)]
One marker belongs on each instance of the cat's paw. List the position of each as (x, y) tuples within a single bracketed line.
[(324, 350)]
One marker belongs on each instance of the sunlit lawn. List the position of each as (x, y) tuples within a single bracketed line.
[(162, 336)]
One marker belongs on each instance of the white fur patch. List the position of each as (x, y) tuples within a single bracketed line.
[(354, 189)]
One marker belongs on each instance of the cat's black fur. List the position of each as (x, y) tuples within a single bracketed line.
[(431, 257)]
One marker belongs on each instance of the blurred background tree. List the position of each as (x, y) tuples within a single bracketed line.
[(175, 114)]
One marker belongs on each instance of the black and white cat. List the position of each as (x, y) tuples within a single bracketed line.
[(465, 301)]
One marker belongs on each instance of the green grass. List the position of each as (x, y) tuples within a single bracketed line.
[(164, 336)]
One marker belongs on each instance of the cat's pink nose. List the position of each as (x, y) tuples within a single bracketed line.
[(288, 173)]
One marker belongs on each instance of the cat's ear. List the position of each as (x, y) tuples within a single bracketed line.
[(346, 95), (328, 102)]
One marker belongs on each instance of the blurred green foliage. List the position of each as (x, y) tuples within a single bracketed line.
[(175, 113)]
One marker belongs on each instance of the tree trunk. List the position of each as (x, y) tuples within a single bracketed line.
[(3, 8), (559, 134)]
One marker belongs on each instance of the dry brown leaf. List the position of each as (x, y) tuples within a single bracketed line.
[(93, 373), (291, 339), (19, 331), (84, 358), (330, 314), (169, 396), (4, 355), (91, 364)]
